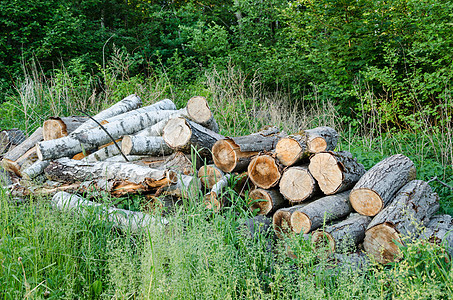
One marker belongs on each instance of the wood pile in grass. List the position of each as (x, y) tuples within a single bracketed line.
[(297, 183)]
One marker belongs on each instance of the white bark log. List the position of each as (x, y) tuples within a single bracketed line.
[(213, 200), (121, 218), (35, 169), (63, 147), (145, 145), (104, 153)]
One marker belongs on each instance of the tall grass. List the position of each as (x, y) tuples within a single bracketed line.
[(200, 254)]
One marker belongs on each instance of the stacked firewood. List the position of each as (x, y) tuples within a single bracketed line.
[(297, 183)]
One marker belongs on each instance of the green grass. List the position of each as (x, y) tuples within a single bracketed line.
[(45, 253)]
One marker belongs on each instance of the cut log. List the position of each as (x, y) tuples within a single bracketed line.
[(234, 154), (56, 127), (413, 206), (335, 171), (214, 200), (116, 178), (104, 153), (281, 220), (10, 138), (63, 147), (186, 187), (165, 104), (181, 163), (266, 201), (124, 219), (343, 236), (264, 171), (145, 145), (35, 169), (25, 146), (209, 175), (97, 136), (198, 111), (26, 160), (181, 134), (319, 212), (439, 231), (297, 184), (377, 187), (293, 149), (131, 102)]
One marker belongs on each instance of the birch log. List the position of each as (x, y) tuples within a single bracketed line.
[(297, 184), (233, 154), (377, 187), (266, 201), (335, 171), (129, 103), (22, 154), (412, 207), (209, 175), (264, 171), (10, 138), (214, 200), (439, 231), (343, 236), (56, 127), (293, 149), (63, 147), (145, 145), (35, 169), (104, 153), (121, 218), (318, 212), (181, 134)]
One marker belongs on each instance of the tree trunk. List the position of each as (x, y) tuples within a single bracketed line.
[(131, 102), (413, 206), (335, 171), (293, 149), (23, 154), (181, 134), (104, 153), (116, 178), (10, 138), (264, 171), (209, 175), (297, 184), (281, 220), (186, 187), (56, 127), (234, 154), (198, 111), (97, 136), (319, 212), (63, 147), (181, 163), (266, 201), (439, 231), (145, 145), (124, 219), (214, 199), (343, 236), (377, 187), (35, 169)]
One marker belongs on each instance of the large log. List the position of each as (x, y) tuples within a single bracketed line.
[(439, 231), (198, 111), (265, 171), (63, 147), (56, 127), (319, 212), (214, 200), (233, 154), (266, 201), (412, 207), (10, 138), (377, 187), (145, 145), (129, 103), (181, 134), (335, 171), (23, 154), (293, 149), (124, 219), (209, 175), (181, 163), (281, 220), (297, 184), (343, 236), (104, 153), (116, 178)]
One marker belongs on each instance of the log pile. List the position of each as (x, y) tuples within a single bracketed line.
[(298, 184)]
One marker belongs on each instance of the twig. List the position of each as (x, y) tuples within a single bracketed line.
[(441, 182)]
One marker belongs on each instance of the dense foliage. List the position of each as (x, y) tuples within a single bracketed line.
[(394, 57)]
